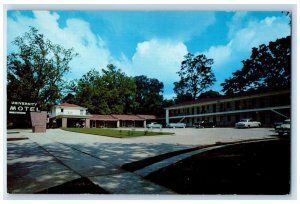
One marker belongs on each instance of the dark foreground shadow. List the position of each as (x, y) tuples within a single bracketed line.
[(77, 186), (259, 168)]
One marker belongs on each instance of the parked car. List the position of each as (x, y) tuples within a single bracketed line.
[(284, 128), (204, 124), (176, 125), (247, 123), (154, 125)]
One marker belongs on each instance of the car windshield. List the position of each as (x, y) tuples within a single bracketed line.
[(244, 120), (287, 122)]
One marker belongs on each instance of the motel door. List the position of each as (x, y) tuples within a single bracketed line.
[(93, 123)]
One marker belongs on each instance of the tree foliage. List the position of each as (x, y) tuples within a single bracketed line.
[(195, 77), (111, 91), (149, 95), (269, 68), (36, 69), (209, 94)]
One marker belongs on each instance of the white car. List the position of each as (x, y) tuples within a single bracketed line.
[(247, 123), (176, 125), (284, 128), (154, 125)]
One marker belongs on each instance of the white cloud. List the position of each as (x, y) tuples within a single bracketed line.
[(236, 22), (261, 32), (245, 38), (77, 34), (220, 53), (159, 59)]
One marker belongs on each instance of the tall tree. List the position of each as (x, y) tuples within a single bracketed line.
[(121, 90), (36, 69), (90, 92), (112, 91), (269, 68), (149, 95), (195, 77)]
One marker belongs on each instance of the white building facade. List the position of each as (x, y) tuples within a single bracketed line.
[(68, 115), (268, 107)]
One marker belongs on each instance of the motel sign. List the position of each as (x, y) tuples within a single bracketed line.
[(22, 107)]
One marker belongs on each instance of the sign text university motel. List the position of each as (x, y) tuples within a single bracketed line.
[(22, 107)]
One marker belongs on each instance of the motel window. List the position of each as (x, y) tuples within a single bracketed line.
[(61, 110), (81, 112)]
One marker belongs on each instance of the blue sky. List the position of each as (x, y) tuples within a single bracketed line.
[(153, 43)]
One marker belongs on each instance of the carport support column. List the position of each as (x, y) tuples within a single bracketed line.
[(118, 123), (87, 123), (64, 122), (145, 124), (167, 116)]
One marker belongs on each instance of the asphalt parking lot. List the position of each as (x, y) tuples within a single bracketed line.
[(37, 162), (205, 136)]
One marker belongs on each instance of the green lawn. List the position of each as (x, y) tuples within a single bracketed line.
[(117, 133)]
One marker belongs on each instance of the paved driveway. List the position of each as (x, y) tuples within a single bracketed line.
[(55, 157)]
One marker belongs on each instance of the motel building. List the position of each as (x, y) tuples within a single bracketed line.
[(268, 107), (69, 115)]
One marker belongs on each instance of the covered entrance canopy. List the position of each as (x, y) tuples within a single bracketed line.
[(70, 121)]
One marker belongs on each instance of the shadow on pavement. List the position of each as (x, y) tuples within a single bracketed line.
[(120, 153), (257, 168), (30, 169), (77, 186)]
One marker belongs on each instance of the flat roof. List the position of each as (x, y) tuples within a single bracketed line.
[(234, 96)]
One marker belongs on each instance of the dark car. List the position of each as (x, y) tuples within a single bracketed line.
[(204, 124)]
